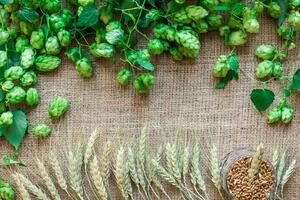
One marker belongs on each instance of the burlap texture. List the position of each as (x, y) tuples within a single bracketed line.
[(183, 103)]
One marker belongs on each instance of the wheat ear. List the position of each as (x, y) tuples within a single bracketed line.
[(275, 157), (215, 169), (22, 190), (256, 161), (74, 167), (131, 162), (280, 168), (185, 161), (141, 157), (89, 147), (122, 174), (47, 180), (33, 189), (197, 178), (172, 161), (105, 162), (97, 179), (290, 170), (58, 171)]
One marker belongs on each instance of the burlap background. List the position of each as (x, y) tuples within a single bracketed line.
[(183, 100)]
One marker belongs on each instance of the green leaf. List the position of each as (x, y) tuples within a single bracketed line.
[(262, 98), (146, 64), (222, 7), (115, 36), (283, 11), (1, 96), (173, 7), (237, 8), (233, 62), (88, 17), (295, 84), (6, 1), (224, 81), (14, 134), (28, 14), (286, 92), (7, 160)]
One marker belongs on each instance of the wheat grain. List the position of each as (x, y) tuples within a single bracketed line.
[(47, 180), (290, 170), (58, 171), (197, 178), (33, 189), (131, 162), (280, 168), (97, 179), (74, 167), (22, 190), (89, 147), (275, 157), (256, 162), (172, 161), (122, 174), (105, 164)]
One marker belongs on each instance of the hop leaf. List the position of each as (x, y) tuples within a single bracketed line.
[(262, 98), (295, 84), (88, 17), (28, 15)]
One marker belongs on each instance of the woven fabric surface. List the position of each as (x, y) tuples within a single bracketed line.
[(182, 105)]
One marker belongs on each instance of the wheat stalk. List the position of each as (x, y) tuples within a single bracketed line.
[(74, 167), (97, 179), (196, 177), (172, 161), (280, 168), (22, 190), (32, 188), (105, 164), (47, 180), (256, 161), (58, 171), (122, 174), (290, 170), (89, 147)]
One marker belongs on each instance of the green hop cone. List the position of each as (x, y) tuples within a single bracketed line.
[(274, 115), (196, 12), (287, 114), (67, 16), (7, 85), (85, 2), (210, 4), (176, 54), (21, 44), (102, 50), (251, 25), (266, 51), (34, 4), (282, 103), (214, 20), (52, 46), (274, 10), (249, 13), (100, 35), (294, 4), (4, 35), (189, 53), (113, 26), (51, 6), (15, 95), (181, 17), (58, 107), (124, 76), (28, 79), (6, 119), (277, 70), (132, 56), (163, 31), (200, 26), (187, 40), (37, 39), (26, 28), (57, 23), (64, 38), (73, 54), (237, 38), (106, 14), (4, 17), (32, 97), (221, 67), (3, 58), (46, 63), (143, 82), (223, 30), (291, 46), (27, 57), (280, 56), (294, 20), (6, 191), (153, 15), (235, 23), (13, 31), (13, 73), (264, 69), (84, 67), (41, 130), (258, 7), (156, 46)]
